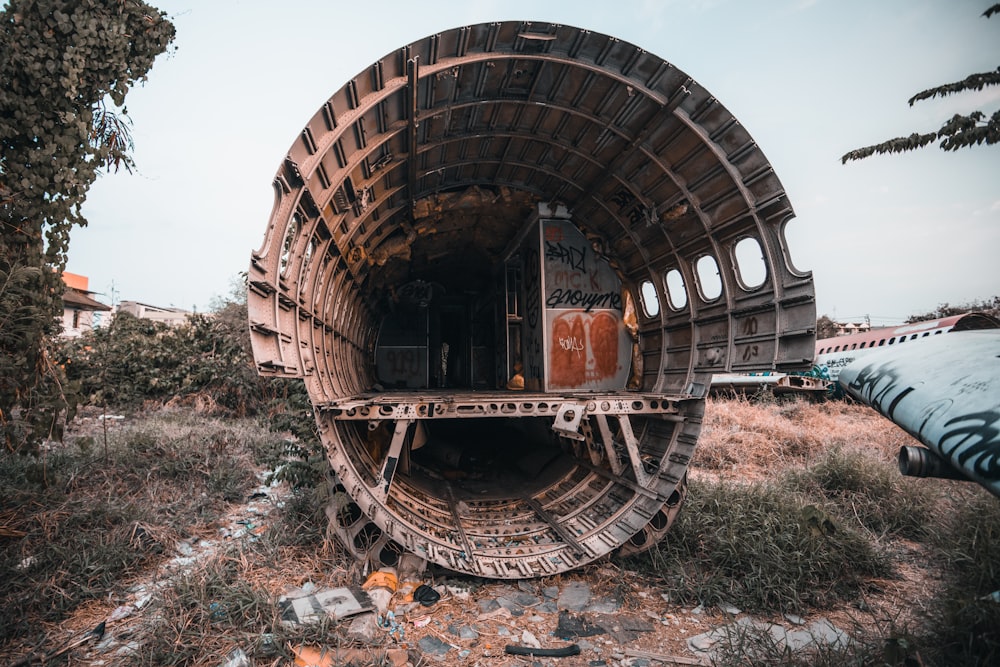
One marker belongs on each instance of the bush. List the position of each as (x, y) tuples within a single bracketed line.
[(205, 363)]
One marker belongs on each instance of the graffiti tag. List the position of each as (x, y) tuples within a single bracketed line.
[(572, 344), (566, 254), (575, 298), (975, 437)]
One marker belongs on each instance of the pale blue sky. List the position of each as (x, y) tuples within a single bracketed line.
[(810, 80)]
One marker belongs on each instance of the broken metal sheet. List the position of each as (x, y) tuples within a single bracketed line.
[(335, 603)]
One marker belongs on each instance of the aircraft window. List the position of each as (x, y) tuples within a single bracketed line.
[(291, 234), (836, 349), (926, 334), (863, 344), (892, 340), (913, 337), (854, 346), (709, 280), (650, 301), (881, 342), (677, 296), (750, 266), (937, 332), (902, 339)]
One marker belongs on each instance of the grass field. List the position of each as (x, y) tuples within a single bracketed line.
[(794, 507)]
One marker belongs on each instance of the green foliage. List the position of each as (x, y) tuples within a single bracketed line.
[(761, 548), (825, 327), (988, 306), (871, 492), (966, 615), (304, 462), (32, 393), (205, 361), (61, 61), (960, 131)]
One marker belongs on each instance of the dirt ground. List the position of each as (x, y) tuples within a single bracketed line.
[(617, 617)]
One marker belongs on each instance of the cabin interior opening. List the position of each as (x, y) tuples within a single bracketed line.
[(485, 459)]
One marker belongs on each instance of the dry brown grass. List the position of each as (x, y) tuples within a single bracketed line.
[(749, 439)]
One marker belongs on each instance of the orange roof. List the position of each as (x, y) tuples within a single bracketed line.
[(76, 281)]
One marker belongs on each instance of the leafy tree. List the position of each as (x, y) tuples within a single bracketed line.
[(65, 69), (825, 327), (957, 132), (988, 306)]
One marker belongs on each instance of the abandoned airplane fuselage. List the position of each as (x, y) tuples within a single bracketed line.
[(506, 260)]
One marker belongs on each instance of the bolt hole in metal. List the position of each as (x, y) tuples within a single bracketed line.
[(472, 300)]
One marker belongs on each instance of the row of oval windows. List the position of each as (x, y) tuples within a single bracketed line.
[(751, 271), (855, 346)]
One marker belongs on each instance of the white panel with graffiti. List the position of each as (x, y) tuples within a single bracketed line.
[(587, 346)]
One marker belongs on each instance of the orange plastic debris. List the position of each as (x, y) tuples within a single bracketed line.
[(382, 578), (309, 656)]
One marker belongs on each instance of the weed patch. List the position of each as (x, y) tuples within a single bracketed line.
[(82, 519), (861, 487), (760, 548), (965, 618)]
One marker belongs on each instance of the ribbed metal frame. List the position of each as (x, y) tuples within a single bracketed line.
[(654, 170)]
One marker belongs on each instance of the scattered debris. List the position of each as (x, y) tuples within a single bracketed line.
[(730, 609), (622, 628), (820, 632), (565, 651), (433, 645), (575, 596), (463, 631), (662, 657), (310, 656), (574, 625), (381, 585), (237, 658), (426, 595), (528, 639), (306, 606)]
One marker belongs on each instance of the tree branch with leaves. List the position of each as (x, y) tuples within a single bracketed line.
[(960, 131), (65, 69)]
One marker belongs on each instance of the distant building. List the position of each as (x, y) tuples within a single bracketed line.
[(848, 328), (169, 316), (81, 312)]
